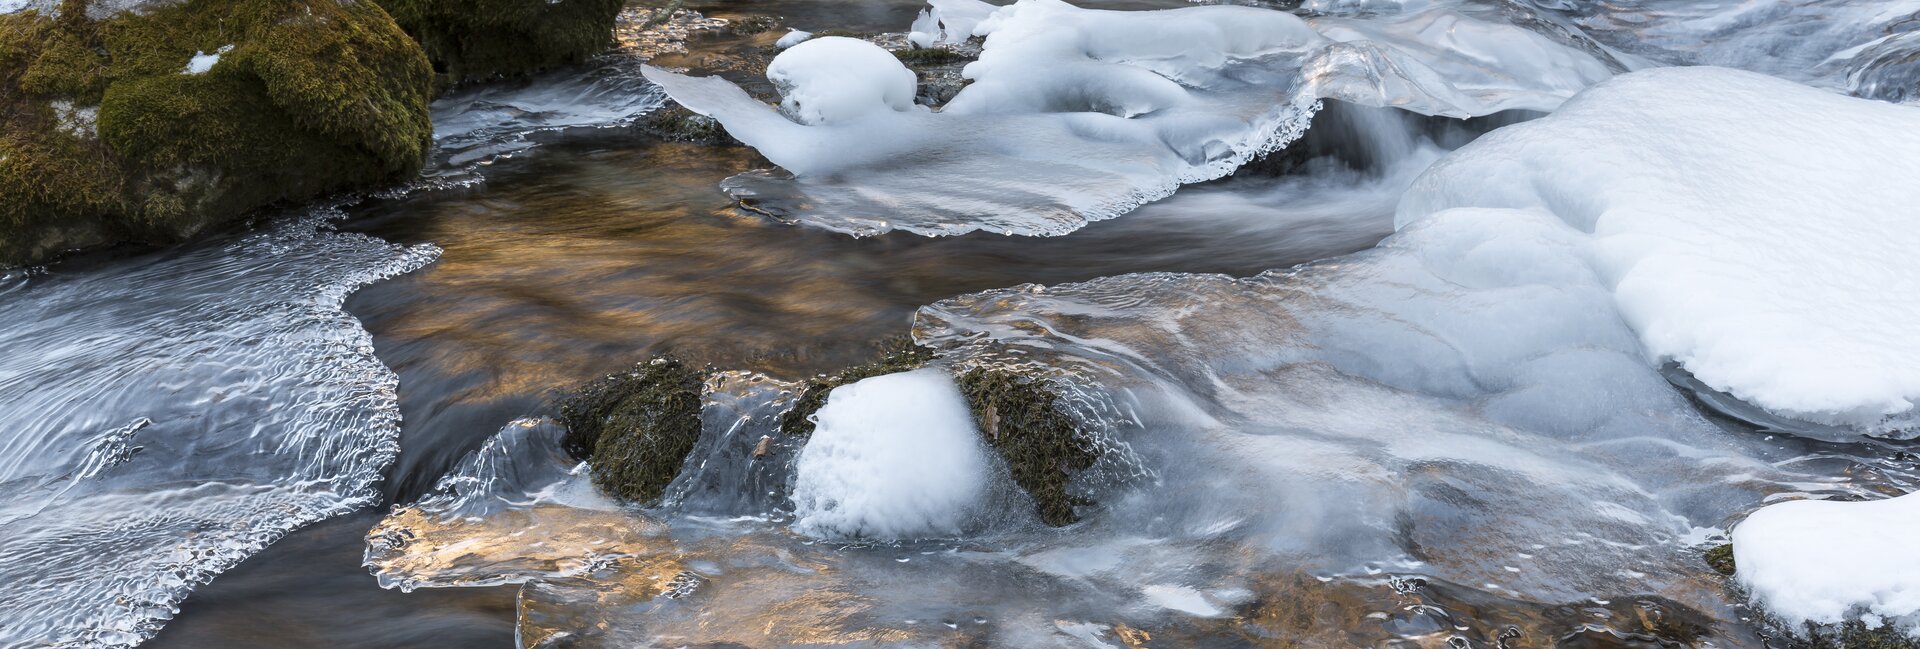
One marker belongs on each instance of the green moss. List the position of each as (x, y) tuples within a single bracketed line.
[(636, 428), (899, 356), (308, 97), (477, 40), (926, 57), (675, 122), (1720, 558), (1042, 445)]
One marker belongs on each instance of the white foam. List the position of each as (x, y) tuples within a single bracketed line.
[(892, 457), (1822, 561), (1757, 231)]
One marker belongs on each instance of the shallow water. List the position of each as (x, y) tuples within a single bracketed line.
[(1367, 474)]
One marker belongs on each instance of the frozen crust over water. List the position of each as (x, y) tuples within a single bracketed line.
[(1077, 115), (1759, 232)]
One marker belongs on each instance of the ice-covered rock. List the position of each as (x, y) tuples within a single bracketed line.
[(1075, 115), (793, 37), (839, 80), (1826, 562), (1757, 231), (894, 456)]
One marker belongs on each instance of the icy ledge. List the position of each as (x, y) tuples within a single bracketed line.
[(1076, 115), (1756, 231)]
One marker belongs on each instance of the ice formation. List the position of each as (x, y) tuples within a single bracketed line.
[(1825, 562), (893, 457), (1075, 115), (1757, 231), (223, 400)]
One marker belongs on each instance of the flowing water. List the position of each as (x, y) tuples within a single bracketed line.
[(1374, 448)]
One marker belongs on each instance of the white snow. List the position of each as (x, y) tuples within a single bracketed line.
[(892, 457), (839, 80), (1823, 561), (1759, 232), (794, 37), (11, 6), (1075, 115), (202, 61)]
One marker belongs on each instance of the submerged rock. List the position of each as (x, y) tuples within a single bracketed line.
[(636, 428), (155, 124), (478, 40)]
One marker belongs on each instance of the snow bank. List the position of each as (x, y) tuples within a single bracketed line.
[(1822, 561), (893, 457), (1075, 115), (1759, 232)]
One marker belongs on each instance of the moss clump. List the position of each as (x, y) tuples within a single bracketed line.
[(108, 138), (1720, 558), (636, 428), (926, 57), (900, 356), (675, 122), (478, 40), (1042, 445)]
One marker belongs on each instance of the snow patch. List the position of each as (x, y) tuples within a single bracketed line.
[(792, 38), (202, 61), (1822, 561), (892, 457)]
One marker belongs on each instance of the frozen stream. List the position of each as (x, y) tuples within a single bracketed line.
[(1346, 403)]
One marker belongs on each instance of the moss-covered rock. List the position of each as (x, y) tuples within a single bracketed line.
[(636, 428), (1720, 558), (675, 122), (109, 136), (1043, 446), (478, 40)]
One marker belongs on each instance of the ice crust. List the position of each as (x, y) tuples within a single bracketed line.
[(1825, 562), (893, 457), (1076, 115), (1757, 231)]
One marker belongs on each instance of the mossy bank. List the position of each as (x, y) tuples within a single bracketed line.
[(155, 124), (152, 122)]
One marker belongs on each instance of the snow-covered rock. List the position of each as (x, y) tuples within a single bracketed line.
[(892, 457), (1757, 231), (1824, 562)]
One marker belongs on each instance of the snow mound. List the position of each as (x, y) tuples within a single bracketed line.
[(1076, 115), (893, 457), (838, 80), (1824, 561), (1756, 231)]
